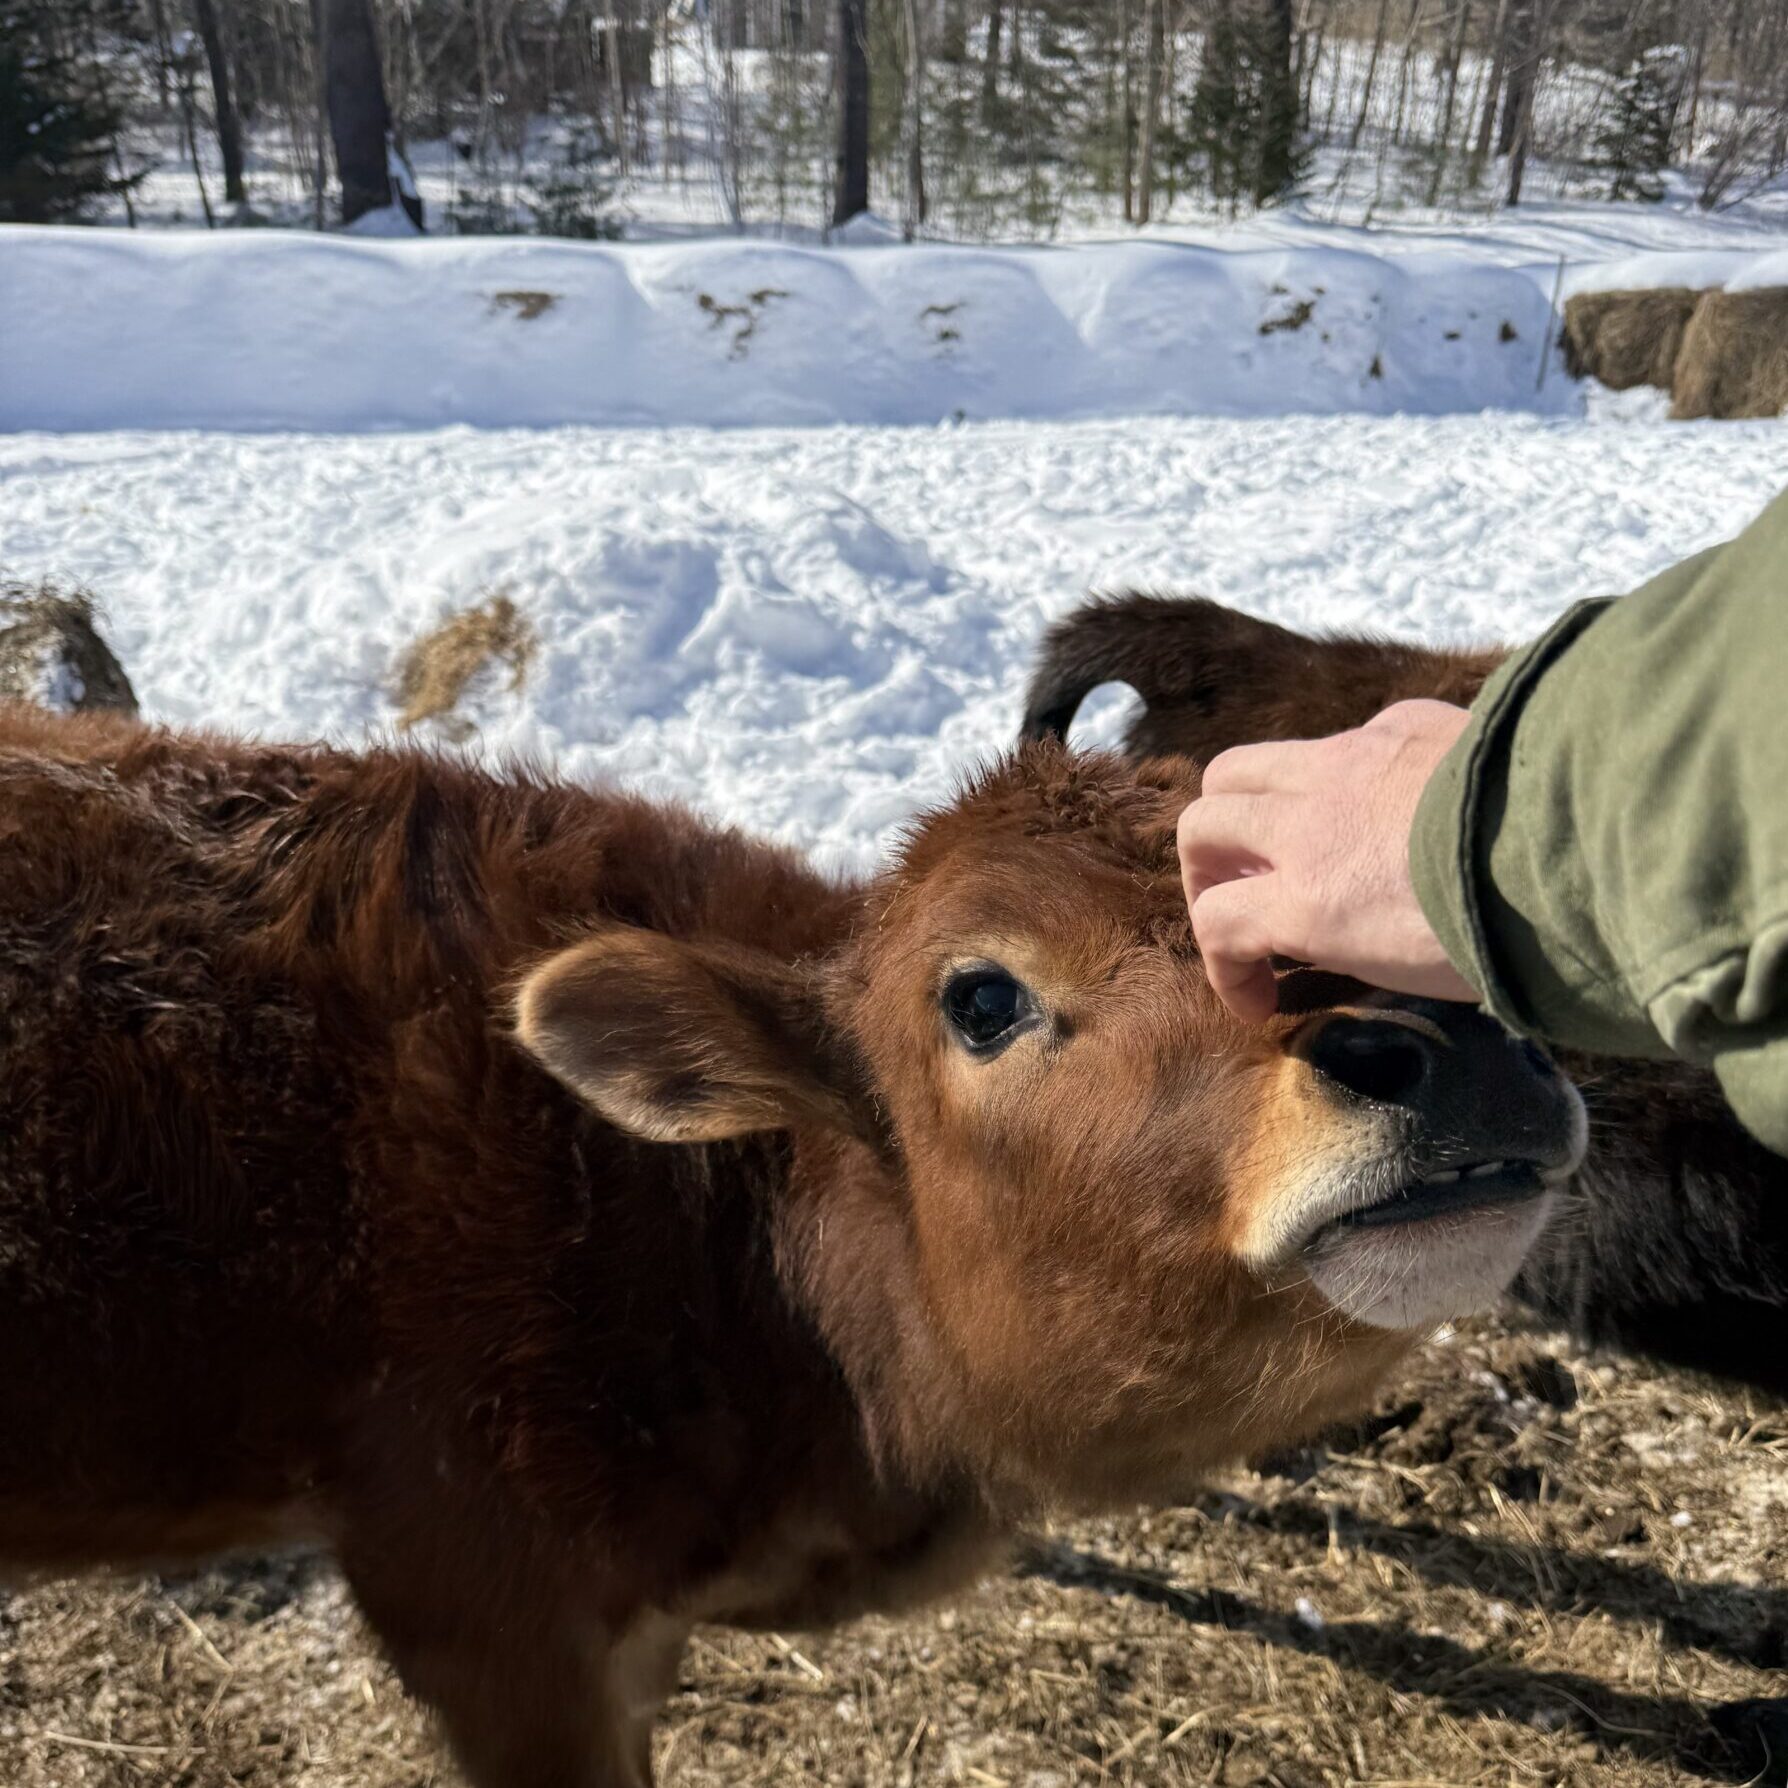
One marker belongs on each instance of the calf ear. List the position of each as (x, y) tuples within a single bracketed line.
[(686, 1042)]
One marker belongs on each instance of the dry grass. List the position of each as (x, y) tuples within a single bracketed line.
[(438, 670), (1719, 354), (1529, 1567), (1626, 339), (1734, 359), (742, 318), (524, 306)]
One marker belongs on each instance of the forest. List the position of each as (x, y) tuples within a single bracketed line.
[(949, 119)]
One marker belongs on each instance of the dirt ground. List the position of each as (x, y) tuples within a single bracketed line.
[(1530, 1566)]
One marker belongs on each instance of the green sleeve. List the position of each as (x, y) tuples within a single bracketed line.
[(1605, 851)]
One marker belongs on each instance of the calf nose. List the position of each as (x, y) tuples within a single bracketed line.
[(1375, 1058), (1466, 1085)]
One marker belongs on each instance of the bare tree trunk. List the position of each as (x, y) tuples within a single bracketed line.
[(1359, 123), (850, 193), (1154, 37), (1456, 55), (1499, 61), (1310, 62), (1522, 93), (192, 141), (722, 118), (1524, 31), (617, 92), (320, 162), (1409, 38), (354, 92), (486, 86), (223, 104), (1127, 109), (990, 63), (164, 53), (913, 123), (1517, 163), (1695, 83), (673, 104), (1443, 148), (1175, 17)]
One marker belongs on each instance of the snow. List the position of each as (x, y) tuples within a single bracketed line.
[(1581, 232), (787, 521), (272, 329), (815, 632), (59, 685), (389, 223)]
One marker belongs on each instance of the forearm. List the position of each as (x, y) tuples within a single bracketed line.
[(1605, 852)]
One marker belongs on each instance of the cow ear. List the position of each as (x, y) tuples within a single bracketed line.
[(685, 1042)]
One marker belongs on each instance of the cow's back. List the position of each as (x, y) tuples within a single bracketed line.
[(174, 1250)]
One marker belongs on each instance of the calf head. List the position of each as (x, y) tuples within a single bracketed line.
[(1212, 677), (1064, 1221)]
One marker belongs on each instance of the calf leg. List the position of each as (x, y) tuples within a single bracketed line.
[(531, 1694)]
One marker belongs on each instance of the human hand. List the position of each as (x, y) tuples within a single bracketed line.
[(1302, 850)]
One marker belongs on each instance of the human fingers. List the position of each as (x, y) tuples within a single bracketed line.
[(1221, 837), (1278, 767), (1235, 925)]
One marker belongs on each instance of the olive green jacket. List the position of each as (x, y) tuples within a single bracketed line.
[(1605, 851)]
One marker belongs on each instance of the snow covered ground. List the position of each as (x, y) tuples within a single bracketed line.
[(814, 631), (281, 329)]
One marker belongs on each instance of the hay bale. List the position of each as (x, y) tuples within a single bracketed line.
[(437, 671), (51, 652), (1627, 338), (1734, 359)]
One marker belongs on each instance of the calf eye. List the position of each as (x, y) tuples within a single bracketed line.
[(987, 1008)]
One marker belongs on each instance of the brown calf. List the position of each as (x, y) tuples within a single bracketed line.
[(588, 1222), (1674, 1240)]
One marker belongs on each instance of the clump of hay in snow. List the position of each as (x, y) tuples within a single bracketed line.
[(1734, 359), (51, 652), (1627, 338), (439, 670), (1719, 354)]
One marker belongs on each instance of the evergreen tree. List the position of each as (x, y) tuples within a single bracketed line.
[(1212, 133), (57, 124), (1633, 143), (1005, 152), (1243, 129), (573, 196)]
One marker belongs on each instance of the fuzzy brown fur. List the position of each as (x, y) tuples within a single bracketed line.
[(1627, 338), (1734, 358), (1676, 1241), (330, 1209)]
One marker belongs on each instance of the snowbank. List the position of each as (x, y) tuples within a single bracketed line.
[(269, 330), (1735, 270), (814, 632)]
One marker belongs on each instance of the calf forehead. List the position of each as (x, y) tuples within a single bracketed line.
[(1046, 845), (1076, 907)]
